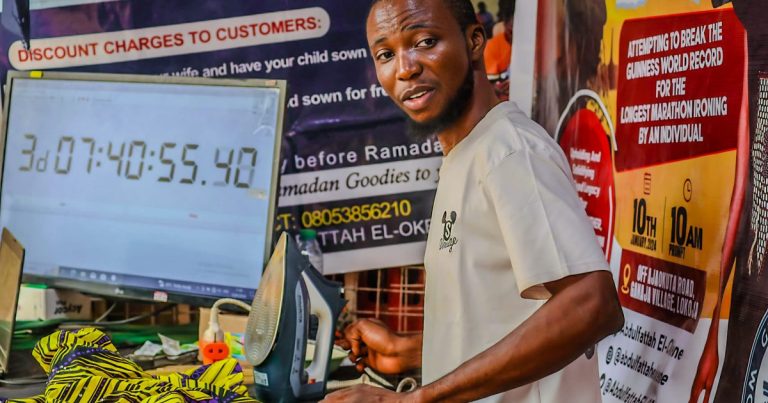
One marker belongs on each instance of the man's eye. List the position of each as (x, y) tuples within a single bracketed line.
[(426, 43), (384, 55)]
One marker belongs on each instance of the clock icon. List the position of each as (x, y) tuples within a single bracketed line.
[(687, 189)]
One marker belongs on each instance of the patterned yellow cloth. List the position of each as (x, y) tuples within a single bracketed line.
[(84, 366)]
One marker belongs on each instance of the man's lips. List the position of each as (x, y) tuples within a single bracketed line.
[(417, 98)]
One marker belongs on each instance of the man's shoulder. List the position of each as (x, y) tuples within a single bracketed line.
[(509, 131)]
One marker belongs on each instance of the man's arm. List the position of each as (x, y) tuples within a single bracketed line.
[(583, 310)]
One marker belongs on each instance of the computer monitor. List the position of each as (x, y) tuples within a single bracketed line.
[(150, 187)]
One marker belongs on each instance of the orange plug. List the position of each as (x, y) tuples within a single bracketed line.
[(215, 351)]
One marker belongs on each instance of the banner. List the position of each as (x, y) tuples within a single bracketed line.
[(347, 168), (657, 106)]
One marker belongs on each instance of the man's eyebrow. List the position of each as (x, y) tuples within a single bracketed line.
[(415, 26), (379, 40), (409, 27)]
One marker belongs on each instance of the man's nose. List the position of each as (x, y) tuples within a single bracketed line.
[(408, 66)]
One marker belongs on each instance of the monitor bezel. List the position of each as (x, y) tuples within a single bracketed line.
[(133, 292)]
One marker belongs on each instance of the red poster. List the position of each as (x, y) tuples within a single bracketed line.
[(680, 82)]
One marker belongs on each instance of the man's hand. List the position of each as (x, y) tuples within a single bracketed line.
[(374, 345), (365, 393)]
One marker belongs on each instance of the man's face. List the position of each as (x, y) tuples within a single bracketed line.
[(421, 57)]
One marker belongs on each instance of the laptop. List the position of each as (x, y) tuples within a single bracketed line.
[(11, 263)]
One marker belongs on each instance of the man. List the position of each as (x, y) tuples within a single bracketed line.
[(485, 18), (508, 232), (498, 51)]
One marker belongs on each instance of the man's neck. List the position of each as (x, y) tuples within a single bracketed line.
[(483, 100)]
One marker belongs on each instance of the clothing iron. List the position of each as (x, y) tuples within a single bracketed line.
[(277, 332)]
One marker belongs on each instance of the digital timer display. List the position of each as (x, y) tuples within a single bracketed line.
[(168, 182), (64, 152)]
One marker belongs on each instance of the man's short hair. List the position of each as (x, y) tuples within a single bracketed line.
[(462, 11)]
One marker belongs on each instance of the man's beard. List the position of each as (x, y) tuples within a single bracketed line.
[(453, 111)]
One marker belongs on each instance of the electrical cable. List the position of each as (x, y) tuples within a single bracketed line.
[(106, 313), (371, 378), (332, 385), (212, 343), (407, 382), (230, 301), (214, 333), (378, 378), (213, 323)]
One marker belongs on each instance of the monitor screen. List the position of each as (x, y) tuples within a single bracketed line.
[(124, 184)]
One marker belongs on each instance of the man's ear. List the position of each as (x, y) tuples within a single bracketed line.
[(476, 41)]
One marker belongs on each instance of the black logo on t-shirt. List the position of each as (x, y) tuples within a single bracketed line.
[(447, 241)]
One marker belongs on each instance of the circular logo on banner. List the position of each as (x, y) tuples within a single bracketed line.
[(583, 134), (756, 378)]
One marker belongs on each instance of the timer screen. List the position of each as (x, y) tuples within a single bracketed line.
[(155, 185)]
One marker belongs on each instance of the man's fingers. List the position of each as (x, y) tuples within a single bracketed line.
[(343, 343), (351, 328), (353, 338), (362, 363), (358, 347), (355, 357), (355, 346)]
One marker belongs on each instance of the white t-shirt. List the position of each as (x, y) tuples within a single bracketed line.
[(506, 219)]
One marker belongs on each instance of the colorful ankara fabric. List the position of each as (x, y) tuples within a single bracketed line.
[(84, 366)]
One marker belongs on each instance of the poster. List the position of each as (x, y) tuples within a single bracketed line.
[(657, 107), (347, 168)]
